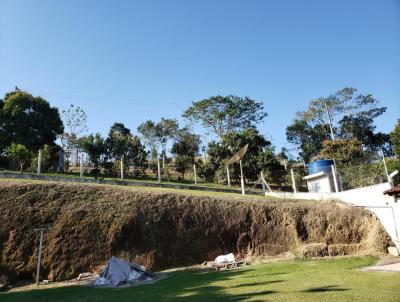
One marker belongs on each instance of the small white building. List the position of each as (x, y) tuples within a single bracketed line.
[(320, 182)]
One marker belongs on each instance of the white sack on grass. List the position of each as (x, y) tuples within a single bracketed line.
[(225, 258)]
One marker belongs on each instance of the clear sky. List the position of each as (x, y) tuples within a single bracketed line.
[(129, 61)]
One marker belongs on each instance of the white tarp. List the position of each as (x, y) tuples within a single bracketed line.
[(118, 271), (225, 258)]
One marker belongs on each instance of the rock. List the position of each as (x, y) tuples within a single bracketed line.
[(393, 251), (84, 276), (46, 281)]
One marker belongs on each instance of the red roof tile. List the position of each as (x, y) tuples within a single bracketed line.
[(395, 191)]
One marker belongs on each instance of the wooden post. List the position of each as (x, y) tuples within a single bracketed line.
[(262, 181), (228, 176), (81, 167), (39, 254), (293, 181), (241, 178), (285, 164), (334, 175), (39, 164), (122, 166), (158, 170), (195, 174)]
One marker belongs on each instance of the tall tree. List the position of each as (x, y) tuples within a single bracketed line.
[(352, 116), (166, 129), (75, 121), (28, 120), (225, 114), (150, 132)]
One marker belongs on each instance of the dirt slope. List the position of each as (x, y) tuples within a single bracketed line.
[(89, 223)]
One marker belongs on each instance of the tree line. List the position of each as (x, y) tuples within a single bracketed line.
[(340, 126)]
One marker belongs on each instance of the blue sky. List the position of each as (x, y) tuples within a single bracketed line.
[(129, 61)]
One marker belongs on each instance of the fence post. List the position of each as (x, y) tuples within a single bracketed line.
[(228, 176), (39, 165), (334, 175), (122, 167), (293, 181), (262, 181), (81, 167), (242, 178), (39, 254), (158, 170), (195, 174)]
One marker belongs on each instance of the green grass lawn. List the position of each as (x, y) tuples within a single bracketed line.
[(309, 280)]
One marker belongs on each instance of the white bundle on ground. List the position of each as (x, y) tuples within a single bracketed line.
[(118, 271), (225, 258)]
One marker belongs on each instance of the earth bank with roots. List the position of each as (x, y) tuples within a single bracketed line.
[(87, 224)]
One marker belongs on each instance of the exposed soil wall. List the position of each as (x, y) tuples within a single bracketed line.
[(90, 223)]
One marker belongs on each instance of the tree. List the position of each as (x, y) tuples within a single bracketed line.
[(19, 153), (166, 130), (352, 115), (28, 121), (225, 114), (185, 148), (95, 146), (123, 145), (75, 119), (308, 138), (395, 138), (344, 151), (150, 132), (259, 156)]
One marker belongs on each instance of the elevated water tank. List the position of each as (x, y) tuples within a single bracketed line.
[(320, 165)]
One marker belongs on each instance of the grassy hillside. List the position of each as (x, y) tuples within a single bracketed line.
[(163, 228)]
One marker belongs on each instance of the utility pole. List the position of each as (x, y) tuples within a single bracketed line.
[(330, 121), (41, 230)]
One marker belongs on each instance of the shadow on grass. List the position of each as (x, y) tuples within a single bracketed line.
[(182, 286), (328, 288)]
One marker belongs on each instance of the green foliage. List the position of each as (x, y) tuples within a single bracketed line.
[(259, 156), (225, 114), (353, 114), (122, 144), (19, 153), (45, 165), (95, 146), (343, 150), (395, 138), (28, 120), (151, 133), (185, 149), (307, 137)]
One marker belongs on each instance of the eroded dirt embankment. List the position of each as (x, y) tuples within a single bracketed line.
[(87, 224)]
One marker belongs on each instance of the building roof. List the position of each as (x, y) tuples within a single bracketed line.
[(395, 191)]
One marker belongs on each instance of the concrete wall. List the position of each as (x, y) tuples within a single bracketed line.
[(370, 198)]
